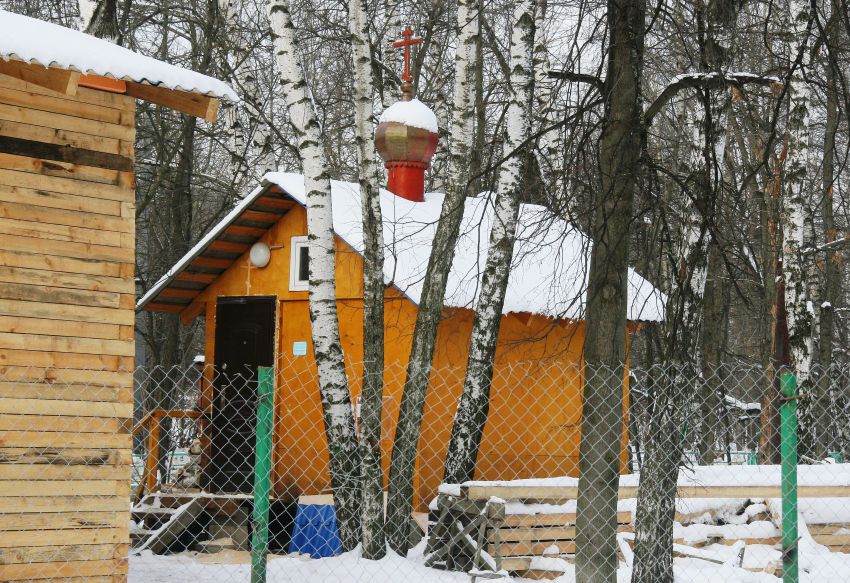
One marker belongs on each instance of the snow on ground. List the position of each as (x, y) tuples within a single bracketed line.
[(817, 566)]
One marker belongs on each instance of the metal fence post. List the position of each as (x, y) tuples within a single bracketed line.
[(262, 475), (788, 419)]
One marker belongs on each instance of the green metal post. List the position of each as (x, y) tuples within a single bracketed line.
[(262, 475), (788, 418)]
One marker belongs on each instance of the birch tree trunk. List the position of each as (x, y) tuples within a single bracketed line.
[(402, 465), (474, 404), (333, 383), (254, 159), (795, 217), (100, 18), (607, 296), (832, 259), (374, 545), (684, 372)]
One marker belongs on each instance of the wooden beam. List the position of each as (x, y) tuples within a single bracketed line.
[(59, 80), (211, 263), (566, 493), (220, 246), (64, 153), (162, 307), (243, 231), (194, 310), (177, 292), (273, 202), (183, 101), (196, 277), (259, 217), (103, 83)]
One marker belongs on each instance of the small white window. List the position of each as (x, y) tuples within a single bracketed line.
[(299, 264)]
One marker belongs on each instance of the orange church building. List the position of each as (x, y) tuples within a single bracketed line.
[(256, 313)]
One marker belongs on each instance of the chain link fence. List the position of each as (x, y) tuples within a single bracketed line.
[(89, 494)]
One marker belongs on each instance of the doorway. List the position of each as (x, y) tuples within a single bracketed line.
[(244, 341)]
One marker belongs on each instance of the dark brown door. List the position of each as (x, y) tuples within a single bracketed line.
[(244, 341)]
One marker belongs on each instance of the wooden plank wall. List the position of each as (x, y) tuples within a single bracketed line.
[(66, 332)]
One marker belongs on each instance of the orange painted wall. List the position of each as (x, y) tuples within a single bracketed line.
[(535, 413)]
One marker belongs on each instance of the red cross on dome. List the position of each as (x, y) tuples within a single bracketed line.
[(406, 137)]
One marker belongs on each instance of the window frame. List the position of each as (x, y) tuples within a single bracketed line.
[(295, 245)]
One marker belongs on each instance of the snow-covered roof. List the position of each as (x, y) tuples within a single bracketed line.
[(37, 42), (548, 276), (413, 113), (551, 259)]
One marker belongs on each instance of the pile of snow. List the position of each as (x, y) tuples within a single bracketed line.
[(412, 113), (550, 264), (37, 42)]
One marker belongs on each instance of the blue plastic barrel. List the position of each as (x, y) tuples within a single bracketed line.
[(315, 532)]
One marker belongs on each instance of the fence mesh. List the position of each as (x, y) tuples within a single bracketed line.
[(164, 490)]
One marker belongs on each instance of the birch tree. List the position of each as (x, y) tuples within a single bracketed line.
[(255, 158), (832, 260), (607, 296), (374, 545), (333, 382), (682, 361), (100, 18), (795, 218), (474, 404), (403, 463)]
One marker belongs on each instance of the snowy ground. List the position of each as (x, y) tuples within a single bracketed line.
[(818, 566)]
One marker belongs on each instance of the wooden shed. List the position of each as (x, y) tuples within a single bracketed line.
[(536, 396), (67, 245)]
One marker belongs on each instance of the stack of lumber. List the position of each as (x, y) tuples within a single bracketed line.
[(528, 526), (834, 536), (67, 220)]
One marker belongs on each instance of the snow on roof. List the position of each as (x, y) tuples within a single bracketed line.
[(37, 42), (413, 113), (550, 265)]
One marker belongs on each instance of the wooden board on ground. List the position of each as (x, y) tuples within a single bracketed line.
[(561, 494)]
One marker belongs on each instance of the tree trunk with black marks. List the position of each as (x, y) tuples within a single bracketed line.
[(797, 221), (255, 158), (474, 404), (607, 296), (333, 382), (402, 466), (100, 18), (371, 400)]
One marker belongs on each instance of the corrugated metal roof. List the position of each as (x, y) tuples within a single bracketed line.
[(37, 42)]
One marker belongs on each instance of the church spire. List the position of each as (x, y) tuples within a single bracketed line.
[(406, 137)]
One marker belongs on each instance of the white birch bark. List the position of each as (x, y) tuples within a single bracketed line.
[(547, 144), (683, 362), (472, 411), (100, 18), (402, 467), (333, 382), (254, 159), (796, 220), (374, 546)]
